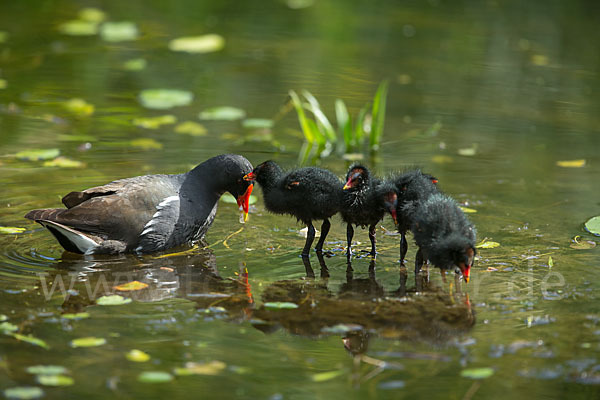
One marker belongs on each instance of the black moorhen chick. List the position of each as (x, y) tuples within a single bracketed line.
[(413, 188), (307, 193), (364, 203), (147, 213), (444, 235)]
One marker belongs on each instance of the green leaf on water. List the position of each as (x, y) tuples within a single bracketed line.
[(198, 44), (326, 376), (224, 113), (192, 368), (155, 122), (3, 36), (487, 244), (31, 340), (154, 377), (162, 99), (6, 327), (78, 27), (280, 305), (469, 151), (118, 31), (79, 107), (135, 64), (55, 380), (467, 210), (81, 315), (89, 341), (146, 144), (228, 198), (592, 225), (3, 83), (11, 230), (63, 162), (38, 154), (550, 262), (47, 370), (112, 300), (136, 355), (258, 123), (477, 373), (191, 128), (91, 14), (23, 392)]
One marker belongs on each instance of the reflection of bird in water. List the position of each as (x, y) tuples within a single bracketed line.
[(362, 287), (308, 267), (356, 342)]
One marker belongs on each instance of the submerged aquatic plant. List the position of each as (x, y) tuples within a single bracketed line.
[(352, 134)]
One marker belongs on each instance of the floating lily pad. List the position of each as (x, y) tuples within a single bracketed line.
[(225, 113), (64, 162), (154, 377), (592, 225), (89, 341), (442, 159), (131, 286), (92, 15), (280, 305), (118, 31), (198, 44), (78, 27), (571, 163), (79, 107), (112, 300), (326, 376), (38, 154), (81, 315), (468, 210), (31, 340), (228, 198), (162, 99), (55, 380), (477, 373), (146, 144), (487, 244), (155, 122), (578, 244), (258, 123), (3, 83), (135, 64), (191, 128), (136, 355), (192, 368), (11, 230), (6, 327), (46, 370), (23, 392)]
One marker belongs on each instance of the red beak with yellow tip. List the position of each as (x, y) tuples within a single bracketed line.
[(466, 271), (250, 176), (348, 184), (244, 200)]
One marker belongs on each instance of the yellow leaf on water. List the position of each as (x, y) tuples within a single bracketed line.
[(79, 107), (539, 59), (137, 356), (468, 210), (146, 144), (63, 162), (487, 244), (192, 368), (441, 159), (131, 286), (571, 163)]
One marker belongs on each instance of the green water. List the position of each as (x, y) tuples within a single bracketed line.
[(516, 81)]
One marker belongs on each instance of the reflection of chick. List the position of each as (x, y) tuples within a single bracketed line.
[(356, 342), (363, 287)]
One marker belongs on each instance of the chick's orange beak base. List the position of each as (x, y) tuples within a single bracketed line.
[(244, 200)]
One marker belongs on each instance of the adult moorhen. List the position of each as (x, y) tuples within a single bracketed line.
[(307, 193), (364, 203), (147, 213), (444, 235), (413, 188)]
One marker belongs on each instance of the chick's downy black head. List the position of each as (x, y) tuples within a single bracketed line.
[(357, 178)]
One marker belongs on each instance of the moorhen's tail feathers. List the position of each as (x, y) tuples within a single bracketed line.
[(49, 214), (69, 238)]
